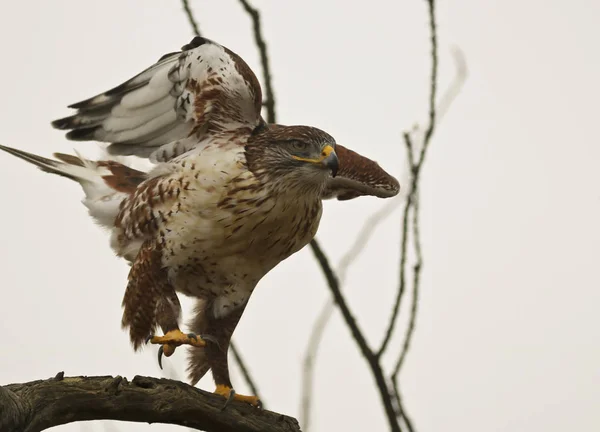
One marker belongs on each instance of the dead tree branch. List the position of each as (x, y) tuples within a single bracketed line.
[(446, 101), (362, 239), (245, 372), (410, 208), (190, 16), (320, 324), (269, 103), (416, 167), (40, 405), (358, 335), (436, 114)]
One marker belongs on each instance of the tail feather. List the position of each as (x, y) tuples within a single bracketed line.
[(46, 165), (105, 183), (197, 360), (69, 159)]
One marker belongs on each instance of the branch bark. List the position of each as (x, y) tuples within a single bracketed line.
[(39, 405)]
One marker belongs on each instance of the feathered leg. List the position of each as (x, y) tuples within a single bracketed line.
[(214, 355), (151, 301)]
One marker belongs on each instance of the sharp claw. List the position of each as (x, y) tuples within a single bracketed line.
[(229, 399), (160, 354), (259, 404), (149, 337)]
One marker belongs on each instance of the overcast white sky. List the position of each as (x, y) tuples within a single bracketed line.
[(508, 336)]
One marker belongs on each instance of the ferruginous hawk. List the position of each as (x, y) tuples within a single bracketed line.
[(228, 199)]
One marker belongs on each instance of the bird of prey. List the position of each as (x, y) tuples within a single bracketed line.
[(229, 196)]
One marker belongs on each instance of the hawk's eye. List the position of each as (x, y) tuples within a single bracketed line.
[(299, 145)]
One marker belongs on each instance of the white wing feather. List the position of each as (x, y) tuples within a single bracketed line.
[(170, 107)]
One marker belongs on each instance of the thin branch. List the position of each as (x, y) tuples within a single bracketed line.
[(400, 292), (409, 149), (245, 372), (415, 291), (190, 16), (415, 171), (40, 405), (401, 411), (446, 101), (269, 103), (318, 329), (433, 87), (371, 357), (435, 116), (460, 76), (357, 334)]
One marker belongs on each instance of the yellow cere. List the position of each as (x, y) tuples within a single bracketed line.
[(327, 150)]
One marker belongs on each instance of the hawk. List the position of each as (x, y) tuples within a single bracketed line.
[(229, 196)]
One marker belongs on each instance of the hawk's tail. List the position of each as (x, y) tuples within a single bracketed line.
[(197, 360), (214, 355), (105, 183)]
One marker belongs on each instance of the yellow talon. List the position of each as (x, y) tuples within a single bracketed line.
[(174, 338), (227, 391)]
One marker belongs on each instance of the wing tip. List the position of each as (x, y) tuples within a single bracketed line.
[(64, 123), (82, 134)]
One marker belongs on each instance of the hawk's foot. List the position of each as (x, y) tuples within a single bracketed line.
[(171, 340), (176, 337), (230, 394)]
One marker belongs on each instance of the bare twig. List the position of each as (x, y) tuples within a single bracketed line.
[(40, 405), (415, 291), (433, 87), (325, 314), (358, 335), (415, 172), (373, 358), (403, 247), (401, 411), (460, 76), (245, 372), (435, 116), (190, 16), (445, 103), (269, 103)]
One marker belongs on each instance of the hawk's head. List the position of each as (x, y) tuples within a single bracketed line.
[(298, 156)]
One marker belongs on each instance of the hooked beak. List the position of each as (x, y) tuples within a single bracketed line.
[(330, 159), (327, 159)]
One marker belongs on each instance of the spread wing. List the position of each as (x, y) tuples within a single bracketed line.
[(167, 109), (359, 176)]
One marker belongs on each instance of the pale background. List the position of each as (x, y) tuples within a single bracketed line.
[(508, 334)]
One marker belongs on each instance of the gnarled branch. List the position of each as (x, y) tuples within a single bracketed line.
[(39, 405)]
